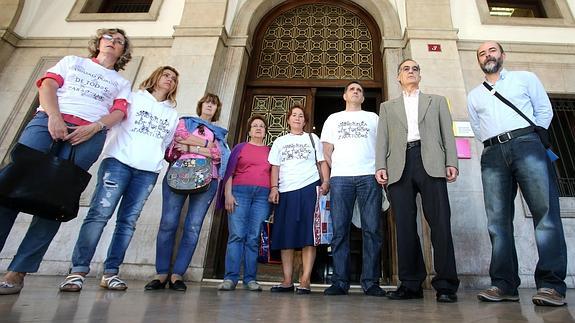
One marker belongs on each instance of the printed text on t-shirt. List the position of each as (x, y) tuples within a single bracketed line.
[(151, 125), (91, 85), (352, 130), (295, 151)]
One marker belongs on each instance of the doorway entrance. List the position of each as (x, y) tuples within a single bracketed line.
[(305, 52)]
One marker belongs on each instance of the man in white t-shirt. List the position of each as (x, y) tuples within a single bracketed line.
[(348, 139)]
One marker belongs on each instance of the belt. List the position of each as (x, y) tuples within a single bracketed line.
[(506, 136), (412, 144)]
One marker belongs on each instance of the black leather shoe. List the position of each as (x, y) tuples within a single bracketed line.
[(447, 298), (403, 293), (302, 291), (156, 284), (376, 291), (178, 285), (281, 289), (334, 290)]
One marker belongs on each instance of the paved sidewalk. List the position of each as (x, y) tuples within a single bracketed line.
[(40, 301)]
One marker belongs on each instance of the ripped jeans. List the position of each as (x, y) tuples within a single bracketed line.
[(115, 180)]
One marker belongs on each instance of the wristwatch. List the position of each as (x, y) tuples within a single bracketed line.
[(102, 125)]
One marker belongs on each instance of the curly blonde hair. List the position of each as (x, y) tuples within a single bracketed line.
[(94, 44), (150, 83)]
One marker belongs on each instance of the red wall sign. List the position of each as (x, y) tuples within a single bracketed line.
[(433, 47)]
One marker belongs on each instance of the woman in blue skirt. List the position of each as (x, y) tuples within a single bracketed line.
[(294, 178)]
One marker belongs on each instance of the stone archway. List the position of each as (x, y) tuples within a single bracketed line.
[(241, 40)]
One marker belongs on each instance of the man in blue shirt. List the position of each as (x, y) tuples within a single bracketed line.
[(513, 156)]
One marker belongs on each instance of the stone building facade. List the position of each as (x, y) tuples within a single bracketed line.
[(253, 52)]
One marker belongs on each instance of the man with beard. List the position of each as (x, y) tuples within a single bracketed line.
[(514, 156)]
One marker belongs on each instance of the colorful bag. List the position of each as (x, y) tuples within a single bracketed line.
[(265, 254), (322, 223), (190, 175)]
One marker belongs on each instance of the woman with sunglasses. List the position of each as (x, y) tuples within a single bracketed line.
[(196, 137), (133, 157), (80, 98)]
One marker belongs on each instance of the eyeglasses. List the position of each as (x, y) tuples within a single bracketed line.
[(111, 38)]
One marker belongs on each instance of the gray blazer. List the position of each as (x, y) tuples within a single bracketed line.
[(435, 128)]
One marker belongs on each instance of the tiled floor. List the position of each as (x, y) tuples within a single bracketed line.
[(40, 301)]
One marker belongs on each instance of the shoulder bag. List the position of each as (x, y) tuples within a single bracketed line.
[(541, 132), (43, 184)]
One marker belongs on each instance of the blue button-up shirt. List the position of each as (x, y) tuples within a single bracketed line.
[(490, 117)]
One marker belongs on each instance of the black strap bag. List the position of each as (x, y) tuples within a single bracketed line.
[(43, 184), (541, 132)]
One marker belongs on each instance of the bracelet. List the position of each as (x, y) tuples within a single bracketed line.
[(102, 125), (274, 186), (197, 149), (206, 144)]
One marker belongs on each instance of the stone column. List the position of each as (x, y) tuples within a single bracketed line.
[(9, 14), (208, 60), (429, 23)]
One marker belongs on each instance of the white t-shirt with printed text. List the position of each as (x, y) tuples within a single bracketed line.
[(89, 89), (294, 156), (141, 139), (353, 135)]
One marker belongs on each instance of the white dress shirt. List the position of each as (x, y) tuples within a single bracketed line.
[(411, 103)]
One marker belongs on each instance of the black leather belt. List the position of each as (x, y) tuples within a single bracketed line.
[(506, 136), (412, 144)]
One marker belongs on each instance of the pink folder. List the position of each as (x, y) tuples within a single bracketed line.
[(463, 148)]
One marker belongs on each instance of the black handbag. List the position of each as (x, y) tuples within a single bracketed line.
[(43, 184)]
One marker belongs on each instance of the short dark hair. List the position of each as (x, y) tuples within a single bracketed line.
[(257, 117), (297, 106), (406, 60), (350, 83)]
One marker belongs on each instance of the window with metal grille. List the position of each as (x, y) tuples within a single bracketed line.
[(562, 133), (516, 8), (117, 6)]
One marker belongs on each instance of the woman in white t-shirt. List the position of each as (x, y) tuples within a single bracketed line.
[(79, 99), (133, 157), (294, 178)]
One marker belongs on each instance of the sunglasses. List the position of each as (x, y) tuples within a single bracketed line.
[(111, 38)]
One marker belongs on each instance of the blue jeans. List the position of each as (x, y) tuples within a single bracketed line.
[(344, 191), (41, 231), (523, 162), (172, 204), (244, 226), (115, 180)]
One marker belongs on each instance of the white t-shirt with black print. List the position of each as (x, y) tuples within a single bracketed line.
[(353, 135), (89, 89), (294, 156), (141, 139)]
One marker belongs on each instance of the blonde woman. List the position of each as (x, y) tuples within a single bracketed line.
[(133, 157)]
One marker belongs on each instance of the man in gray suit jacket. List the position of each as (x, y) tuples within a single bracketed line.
[(415, 153)]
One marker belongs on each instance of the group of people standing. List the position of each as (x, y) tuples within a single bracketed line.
[(88, 105), (408, 149)]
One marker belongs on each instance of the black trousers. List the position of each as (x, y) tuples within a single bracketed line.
[(437, 212)]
